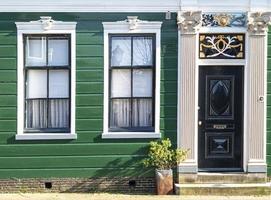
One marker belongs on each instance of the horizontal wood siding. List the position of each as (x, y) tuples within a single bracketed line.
[(89, 155), (269, 105)]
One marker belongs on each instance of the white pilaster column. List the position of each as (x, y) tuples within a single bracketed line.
[(256, 96), (188, 23)]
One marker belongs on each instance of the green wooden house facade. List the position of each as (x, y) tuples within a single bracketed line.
[(93, 146)]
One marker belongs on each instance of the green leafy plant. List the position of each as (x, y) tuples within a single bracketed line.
[(162, 156)]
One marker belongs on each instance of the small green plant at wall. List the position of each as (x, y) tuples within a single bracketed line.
[(163, 156)]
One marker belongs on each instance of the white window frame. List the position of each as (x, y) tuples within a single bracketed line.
[(43, 26), (131, 26)]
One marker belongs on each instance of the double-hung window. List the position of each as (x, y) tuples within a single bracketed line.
[(46, 79), (132, 76), (131, 79), (47, 83)]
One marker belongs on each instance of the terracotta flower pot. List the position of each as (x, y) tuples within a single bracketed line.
[(164, 181)]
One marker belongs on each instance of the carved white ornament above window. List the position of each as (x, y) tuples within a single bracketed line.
[(46, 22)]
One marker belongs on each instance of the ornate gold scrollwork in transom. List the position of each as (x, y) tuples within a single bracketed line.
[(221, 46)]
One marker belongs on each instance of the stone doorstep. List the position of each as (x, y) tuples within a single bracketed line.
[(224, 185), (225, 178), (223, 189)]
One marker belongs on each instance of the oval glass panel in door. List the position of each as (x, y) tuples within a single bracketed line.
[(220, 93)]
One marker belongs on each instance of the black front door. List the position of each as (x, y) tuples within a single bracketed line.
[(220, 118)]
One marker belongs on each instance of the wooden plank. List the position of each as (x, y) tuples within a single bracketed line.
[(8, 63), (168, 123), (8, 51), (8, 88), (88, 100), (49, 162), (88, 87), (268, 150), (86, 26), (168, 111), (268, 126), (89, 124), (83, 137), (8, 113), (169, 87), (269, 65), (76, 172), (269, 50), (89, 50), (89, 38), (8, 100), (169, 50), (8, 38), (269, 136), (89, 75), (97, 149), (93, 112), (268, 87), (7, 125), (169, 62), (89, 62), (7, 26), (169, 99), (8, 76), (169, 75)]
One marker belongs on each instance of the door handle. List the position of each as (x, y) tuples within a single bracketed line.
[(200, 123)]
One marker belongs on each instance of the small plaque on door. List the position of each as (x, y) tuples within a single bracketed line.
[(219, 126)]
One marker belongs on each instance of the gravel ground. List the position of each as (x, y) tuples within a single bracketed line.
[(57, 196)]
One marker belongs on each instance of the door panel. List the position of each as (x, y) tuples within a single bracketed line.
[(220, 116)]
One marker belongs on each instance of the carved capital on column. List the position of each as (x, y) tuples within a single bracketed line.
[(189, 21), (258, 22)]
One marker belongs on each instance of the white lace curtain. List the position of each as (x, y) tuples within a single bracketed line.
[(51, 114)]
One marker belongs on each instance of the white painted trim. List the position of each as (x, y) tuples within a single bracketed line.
[(35, 27), (46, 136), (178, 92), (246, 107), (221, 62), (124, 27), (89, 6), (117, 135), (222, 30), (132, 6)]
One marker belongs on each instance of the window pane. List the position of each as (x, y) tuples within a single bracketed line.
[(142, 51), (121, 83), (59, 113), (121, 51), (120, 113), (36, 84), (142, 83), (142, 113), (36, 113), (35, 54), (58, 52), (59, 84)]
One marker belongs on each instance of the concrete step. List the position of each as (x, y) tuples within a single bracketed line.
[(230, 178), (223, 189)]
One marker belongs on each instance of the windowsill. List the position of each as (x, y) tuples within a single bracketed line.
[(46, 136), (118, 135)]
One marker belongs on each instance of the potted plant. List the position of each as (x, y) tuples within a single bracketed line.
[(163, 158)]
